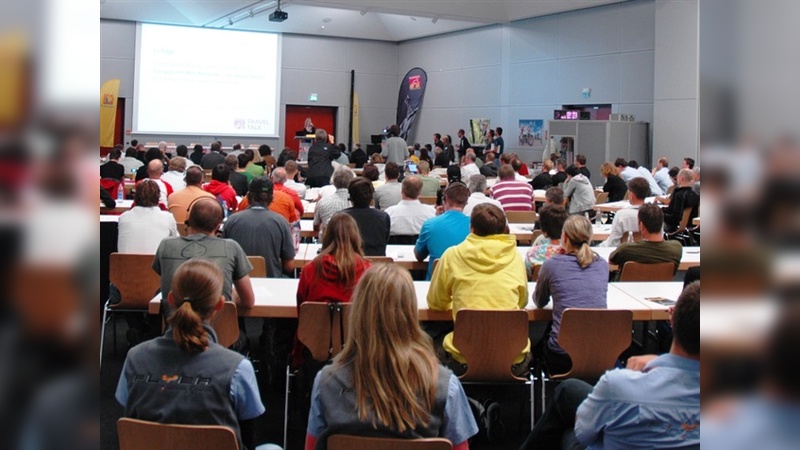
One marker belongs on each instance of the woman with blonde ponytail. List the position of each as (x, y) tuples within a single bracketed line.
[(387, 380), (575, 278), (184, 376)]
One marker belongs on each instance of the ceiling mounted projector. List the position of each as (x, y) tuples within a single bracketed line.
[(278, 16)]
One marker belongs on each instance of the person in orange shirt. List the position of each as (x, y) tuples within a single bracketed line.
[(279, 177), (281, 204)]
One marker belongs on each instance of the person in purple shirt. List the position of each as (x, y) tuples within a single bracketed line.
[(578, 278), (450, 227)]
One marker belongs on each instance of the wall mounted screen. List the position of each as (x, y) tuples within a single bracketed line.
[(209, 82)]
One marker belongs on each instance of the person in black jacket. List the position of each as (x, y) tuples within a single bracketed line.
[(682, 197), (320, 156), (197, 154), (615, 186), (561, 174), (113, 169), (442, 159), (543, 180), (358, 157), (463, 144)]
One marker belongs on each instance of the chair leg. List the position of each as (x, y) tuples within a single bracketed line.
[(533, 403), (115, 334), (286, 410), (103, 333)]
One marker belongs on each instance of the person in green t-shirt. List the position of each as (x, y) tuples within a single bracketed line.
[(653, 248)]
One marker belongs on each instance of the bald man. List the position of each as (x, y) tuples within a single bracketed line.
[(154, 170)]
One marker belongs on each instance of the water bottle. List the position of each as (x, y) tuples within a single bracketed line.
[(121, 192), (296, 235)]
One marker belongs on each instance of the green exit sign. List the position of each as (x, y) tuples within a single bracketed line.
[(313, 97)]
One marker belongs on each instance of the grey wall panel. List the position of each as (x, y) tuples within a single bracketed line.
[(372, 121), (677, 129), (618, 144), (374, 91), (599, 73), (118, 68), (477, 48), (636, 77), (589, 32), (431, 54), (443, 90), (327, 53), (117, 39), (534, 39), (333, 88), (533, 83), (638, 23), (480, 87), (591, 142), (372, 57), (676, 50)]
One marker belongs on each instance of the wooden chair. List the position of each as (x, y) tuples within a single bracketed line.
[(521, 216), (46, 299), (636, 271), (600, 197), (490, 340), (347, 442), (137, 282), (379, 259), (631, 236), (593, 339), (683, 234), (259, 267), (142, 435), (226, 325), (428, 200), (535, 272), (322, 328)]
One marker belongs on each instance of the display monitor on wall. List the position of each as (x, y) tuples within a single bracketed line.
[(202, 81)]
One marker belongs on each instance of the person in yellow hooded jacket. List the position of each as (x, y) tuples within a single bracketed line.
[(484, 272)]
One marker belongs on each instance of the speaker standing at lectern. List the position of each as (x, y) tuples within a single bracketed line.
[(308, 128)]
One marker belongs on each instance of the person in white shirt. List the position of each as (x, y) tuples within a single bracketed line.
[(626, 172), (142, 228), (627, 219), (469, 168), (291, 173), (177, 166), (477, 188), (408, 216), (644, 173), (388, 194), (130, 162), (661, 174), (155, 169)]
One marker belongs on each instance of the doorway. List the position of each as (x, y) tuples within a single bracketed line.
[(322, 116)]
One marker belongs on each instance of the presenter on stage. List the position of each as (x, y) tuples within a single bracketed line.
[(320, 156), (308, 128)]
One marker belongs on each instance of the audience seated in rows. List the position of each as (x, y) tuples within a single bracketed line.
[(154, 170), (261, 232), (450, 227), (129, 161), (387, 381), (626, 172), (561, 175), (551, 219), (653, 248), (483, 272), (430, 185), (252, 170), (653, 403), (236, 174), (580, 163), (113, 169), (661, 174), (180, 202), (543, 180), (644, 173), (614, 186), (468, 167), (578, 189), (279, 179), (489, 168), (221, 189), (175, 175), (291, 179), (213, 158), (514, 195), (142, 228), (338, 201), (388, 194), (197, 154), (576, 279), (477, 188), (373, 224), (683, 196), (626, 219), (408, 216), (150, 155)]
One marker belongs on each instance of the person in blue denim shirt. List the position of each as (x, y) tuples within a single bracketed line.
[(653, 403)]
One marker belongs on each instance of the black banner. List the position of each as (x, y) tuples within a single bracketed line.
[(412, 88)]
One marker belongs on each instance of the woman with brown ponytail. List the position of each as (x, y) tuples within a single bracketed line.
[(184, 376), (576, 278)]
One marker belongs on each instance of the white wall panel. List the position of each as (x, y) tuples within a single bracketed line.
[(638, 22), (480, 87), (534, 39), (371, 57), (598, 73), (313, 53), (533, 83), (593, 31), (636, 77)]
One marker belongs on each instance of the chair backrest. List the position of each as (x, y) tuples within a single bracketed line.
[(687, 214), (179, 212), (379, 259), (601, 197), (46, 299), (521, 216), (593, 339), (135, 278), (627, 195), (490, 340), (428, 200), (636, 271), (322, 328), (631, 236), (142, 435), (226, 324), (347, 442), (259, 267)]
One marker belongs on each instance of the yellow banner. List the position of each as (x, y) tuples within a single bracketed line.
[(108, 111), (356, 139)]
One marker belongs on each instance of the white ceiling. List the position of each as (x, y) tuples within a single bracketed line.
[(385, 20)]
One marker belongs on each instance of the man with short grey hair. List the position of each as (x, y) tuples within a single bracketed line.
[(430, 185), (469, 168), (175, 174), (339, 200), (279, 178), (408, 216), (477, 188)]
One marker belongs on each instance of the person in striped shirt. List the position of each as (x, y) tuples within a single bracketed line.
[(513, 195)]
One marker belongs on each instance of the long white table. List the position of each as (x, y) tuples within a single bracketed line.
[(643, 291), (276, 297), (616, 206)]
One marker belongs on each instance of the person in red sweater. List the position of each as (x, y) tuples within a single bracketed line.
[(220, 187), (333, 274)]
